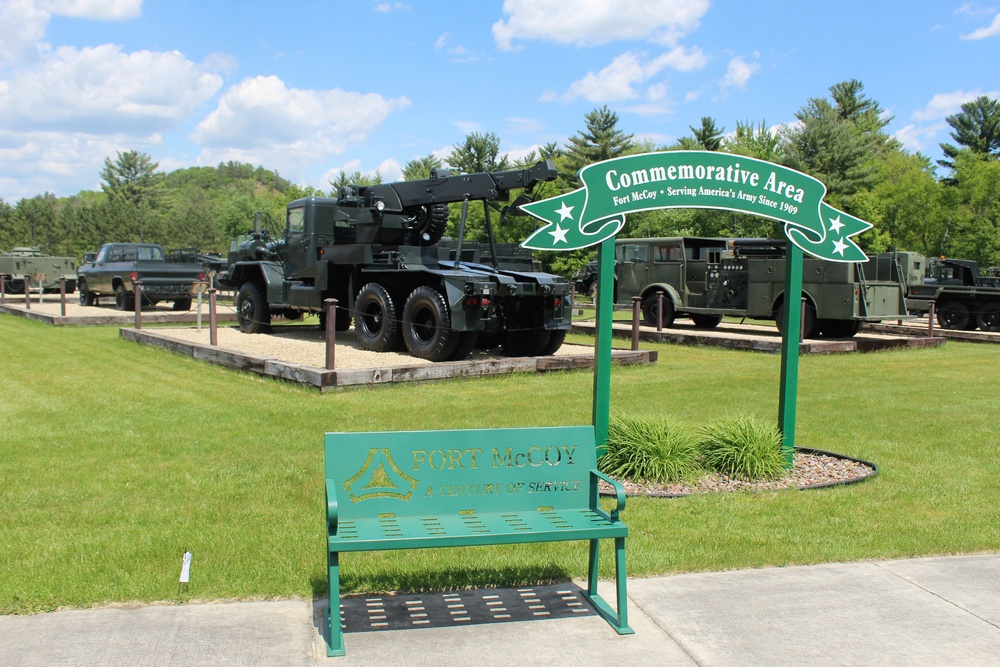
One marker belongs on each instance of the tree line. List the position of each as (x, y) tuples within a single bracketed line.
[(949, 207)]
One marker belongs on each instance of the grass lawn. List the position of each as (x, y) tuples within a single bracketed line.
[(116, 458)]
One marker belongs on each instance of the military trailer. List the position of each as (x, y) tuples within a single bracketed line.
[(375, 249), (40, 271), (963, 298), (706, 279)]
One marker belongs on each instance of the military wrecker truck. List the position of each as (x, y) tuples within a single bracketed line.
[(375, 249), (708, 278), (38, 269), (963, 298)]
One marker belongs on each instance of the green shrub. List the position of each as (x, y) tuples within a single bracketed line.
[(743, 447), (651, 450)]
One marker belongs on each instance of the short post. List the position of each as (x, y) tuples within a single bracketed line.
[(3, 289), (199, 309), (802, 321), (40, 279), (930, 320), (659, 311), (137, 285), (213, 329), (27, 292), (62, 296), (331, 332), (636, 307)]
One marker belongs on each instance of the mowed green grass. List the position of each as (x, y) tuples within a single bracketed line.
[(116, 458)]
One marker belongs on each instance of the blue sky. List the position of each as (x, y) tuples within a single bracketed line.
[(311, 88)]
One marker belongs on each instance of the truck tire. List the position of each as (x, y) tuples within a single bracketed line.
[(87, 298), (123, 299), (953, 315), (649, 308), (376, 320), (252, 311), (838, 328), (988, 316), (183, 303), (466, 343), (809, 326), (13, 285), (702, 321), (525, 342), (427, 328), (555, 342), (426, 224)]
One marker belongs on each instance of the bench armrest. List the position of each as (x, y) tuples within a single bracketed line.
[(619, 493), (331, 506)]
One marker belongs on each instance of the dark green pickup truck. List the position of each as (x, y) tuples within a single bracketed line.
[(117, 266)]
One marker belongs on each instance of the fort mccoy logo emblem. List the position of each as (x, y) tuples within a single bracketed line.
[(380, 477), (695, 179)]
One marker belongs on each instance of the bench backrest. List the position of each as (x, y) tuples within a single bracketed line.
[(422, 473)]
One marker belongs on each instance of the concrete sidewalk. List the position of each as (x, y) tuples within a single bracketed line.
[(930, 611)]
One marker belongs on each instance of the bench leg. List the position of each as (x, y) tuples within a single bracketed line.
[(617, 619), (335, 644)]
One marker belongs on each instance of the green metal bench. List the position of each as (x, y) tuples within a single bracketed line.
[(425, 489)]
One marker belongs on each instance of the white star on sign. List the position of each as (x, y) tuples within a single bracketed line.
[(559, 234), (839, 247), (565, 212), (835, 225)]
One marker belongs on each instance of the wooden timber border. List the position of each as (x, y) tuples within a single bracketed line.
[(118, 318), (740, 337), (325, 380), (919, 327)]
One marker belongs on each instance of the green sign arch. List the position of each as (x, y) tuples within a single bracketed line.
[(695, 179)]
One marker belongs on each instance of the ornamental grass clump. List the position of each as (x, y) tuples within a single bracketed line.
[(651, 450), (743, 447)]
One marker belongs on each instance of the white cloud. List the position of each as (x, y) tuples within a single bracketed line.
[(389, 7), (467, 126), (105, 10), (946, 104), (594, 22), (260, 120), (991, 30), (915, 138), (738, 73), (102, 90), (620, 79)]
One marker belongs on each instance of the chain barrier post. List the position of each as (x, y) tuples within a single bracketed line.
[(3, 289), (331, 332), (802, 321), (27, 292), (137, 285), (213, 324), (930, 319), (636, 307), (659, 311), (62, 296)]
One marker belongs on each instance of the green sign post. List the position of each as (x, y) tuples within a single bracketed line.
[(595, 213)]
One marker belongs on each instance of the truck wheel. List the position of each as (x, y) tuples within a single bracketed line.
[(649, 308), (555, 342), (526, 342), (838, 328), (252, 310), (427, 328), (702, 321), (809, 326), (425, 225), (466, 343), (181, 304), (87, 298), (375, 319), (124, 300), (953, 315), (988, 316)]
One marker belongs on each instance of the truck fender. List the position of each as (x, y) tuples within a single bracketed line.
[(668, 293), (779, 300)]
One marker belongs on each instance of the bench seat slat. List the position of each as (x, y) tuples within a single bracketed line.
[(474, 529)]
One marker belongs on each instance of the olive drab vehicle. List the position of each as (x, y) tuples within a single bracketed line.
[(708, 278), (375, 250), (964, 299), (41, 271)]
